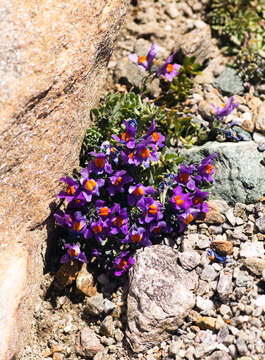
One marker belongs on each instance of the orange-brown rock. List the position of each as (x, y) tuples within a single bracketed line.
[(222, 247), (53, 56)]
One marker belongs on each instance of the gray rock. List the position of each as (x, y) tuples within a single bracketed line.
[(222, 334), (204, 305), (241, 346), (252, 249), (229, 83), (118, 334), (196, 43), (159, 298), (224, 285), (219, 355), (255, 265), (208, 273), (108, 305), (242, 280), (230, 217), (189, 259), (129, 72), (95, 304), (261, 146), (106, 326), (260, 223), (90, 344), (203, 349), (258, 137), (234, 180)]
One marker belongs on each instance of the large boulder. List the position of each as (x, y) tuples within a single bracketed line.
[(160, 296), (240, 171), (53, 56)]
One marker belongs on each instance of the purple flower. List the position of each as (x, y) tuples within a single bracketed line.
[(73, 253), (122, 263), (119, 220), (156, 228), (71, 190), (145, 62), (146, 152), (117, 181), (198, 200), (187, 217), (102, 209), (226, 109), (138, 237), (206, 169), (78, 202), (128, 157), (76, 222), (168, 71), (137, 191), (127, 137), (151, 209), (99, 164), (180, 200), (213, 256), (98, 229), (89, 186), (184, 176), (154, 136)]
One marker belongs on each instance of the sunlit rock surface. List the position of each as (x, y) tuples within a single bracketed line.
[(53, 56)]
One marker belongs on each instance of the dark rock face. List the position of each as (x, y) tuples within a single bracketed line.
[(159, 298), (52, 59)]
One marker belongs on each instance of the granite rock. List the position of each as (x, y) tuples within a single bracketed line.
[(160, 296), (53, 59)]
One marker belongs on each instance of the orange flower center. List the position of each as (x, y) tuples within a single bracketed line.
[(90, 184), (125, 136), (99, 162), (178, 200), (208, 168), (184, 178), (141, 59), (118, 181), (188, 219), (73, 252), (137, 238), (104, 211), (170, 68), (155, 136), (138, 191), (77, 201), (97, 229), (157, 230), (197, 200), (131, 155), (152, 209), (70, 190), (77, 226), (122, 264), (113, 149), (145, 153), (118, 221)]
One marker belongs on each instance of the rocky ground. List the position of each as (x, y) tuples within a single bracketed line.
[(213, 310)]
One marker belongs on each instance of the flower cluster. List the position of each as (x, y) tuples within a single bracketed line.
[(112, 209), (169, 70)]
